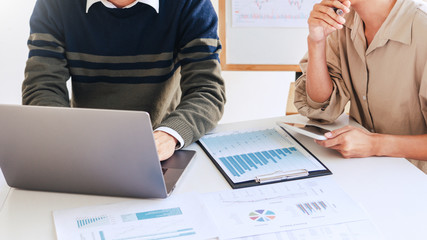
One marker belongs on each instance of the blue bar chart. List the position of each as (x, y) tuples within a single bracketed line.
[(151, 214), (92, 221), (246, 155)]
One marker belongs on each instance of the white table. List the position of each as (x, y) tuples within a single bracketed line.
[(391, 190)]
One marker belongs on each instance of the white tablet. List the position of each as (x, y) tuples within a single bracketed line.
[(305, 129)]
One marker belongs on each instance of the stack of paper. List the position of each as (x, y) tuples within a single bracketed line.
[(305, 209)]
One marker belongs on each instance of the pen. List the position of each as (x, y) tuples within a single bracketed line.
[(338, 11)]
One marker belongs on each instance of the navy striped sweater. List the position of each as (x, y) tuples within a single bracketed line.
[(164, 63)]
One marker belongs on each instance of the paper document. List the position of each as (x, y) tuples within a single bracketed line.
[(314, 208), (287, 206), (246, 155), (177, 217), (359, 230)]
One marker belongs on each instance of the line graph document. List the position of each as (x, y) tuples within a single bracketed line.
[(177, 217), (289, 206), (271, 13), (248, 154)]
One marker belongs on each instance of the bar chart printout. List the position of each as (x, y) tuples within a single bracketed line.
[(243, 156), (178, 217)]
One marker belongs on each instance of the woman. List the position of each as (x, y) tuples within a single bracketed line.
[(375, 56)]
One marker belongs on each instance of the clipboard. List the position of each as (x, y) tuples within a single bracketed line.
[(233, 150)]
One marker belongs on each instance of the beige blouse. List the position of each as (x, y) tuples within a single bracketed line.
[(386, 83)]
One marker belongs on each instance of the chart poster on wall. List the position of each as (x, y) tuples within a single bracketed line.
[(271, 13)]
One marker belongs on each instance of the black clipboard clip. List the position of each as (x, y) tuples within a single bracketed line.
[(281, 175)]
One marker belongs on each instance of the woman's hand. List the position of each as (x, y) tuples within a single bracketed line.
[(352, 142), (323, 20)]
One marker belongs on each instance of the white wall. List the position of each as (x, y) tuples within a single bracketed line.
[(14, 29), (251, 95), (254, 95)]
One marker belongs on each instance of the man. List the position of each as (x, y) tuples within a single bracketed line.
[(159, 56), (374, 56)]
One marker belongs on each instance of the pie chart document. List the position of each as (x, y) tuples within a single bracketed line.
[(284, 207)]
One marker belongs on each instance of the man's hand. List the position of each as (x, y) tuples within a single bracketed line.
[(351, 142), (165, 144)]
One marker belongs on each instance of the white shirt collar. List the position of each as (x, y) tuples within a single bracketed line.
[(153, 3)]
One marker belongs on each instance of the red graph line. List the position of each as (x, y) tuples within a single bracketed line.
[(260, 3), (296, 3)]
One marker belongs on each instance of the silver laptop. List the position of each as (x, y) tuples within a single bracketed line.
[(88, 151)]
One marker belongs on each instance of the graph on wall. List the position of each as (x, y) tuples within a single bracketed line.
[(271, 13)]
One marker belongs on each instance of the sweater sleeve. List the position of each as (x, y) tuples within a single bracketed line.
[(330, 110), (203, 91), (46, 69)]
